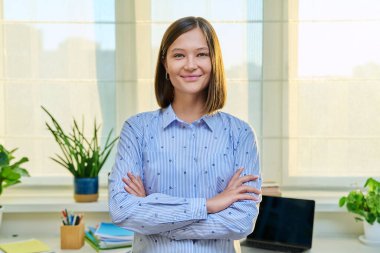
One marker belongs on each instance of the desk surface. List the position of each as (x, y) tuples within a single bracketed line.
[(320, 245)]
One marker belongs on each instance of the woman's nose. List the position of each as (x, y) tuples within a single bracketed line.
[(191, 63)]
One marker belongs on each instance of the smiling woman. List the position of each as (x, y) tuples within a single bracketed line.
[(188, 66), (187, 176)]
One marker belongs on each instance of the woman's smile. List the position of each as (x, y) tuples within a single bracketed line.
[(191, 78)]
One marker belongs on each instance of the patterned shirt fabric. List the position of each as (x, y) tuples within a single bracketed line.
[(182, 165)]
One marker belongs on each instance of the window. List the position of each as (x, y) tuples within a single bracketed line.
[(59, 54), (96, 58), (333, 92)]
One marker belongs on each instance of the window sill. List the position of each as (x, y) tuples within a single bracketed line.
[(325, 201), (49, 199), (55, 199)]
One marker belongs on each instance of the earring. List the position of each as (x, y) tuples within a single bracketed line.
[(167, 76)]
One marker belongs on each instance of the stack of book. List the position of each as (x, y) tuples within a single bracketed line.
[(107, 237), (271, 188)]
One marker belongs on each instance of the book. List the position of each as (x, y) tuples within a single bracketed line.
[(270, 188), (111, 231), (108, 237), (26, 246), (105, 243), (94, 243)]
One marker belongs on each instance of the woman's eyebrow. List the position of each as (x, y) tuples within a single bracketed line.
[(181, 49)]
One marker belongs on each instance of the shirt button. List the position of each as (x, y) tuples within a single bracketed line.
[(195, 159)]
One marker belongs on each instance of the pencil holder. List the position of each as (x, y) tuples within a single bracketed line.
[(72, 237)]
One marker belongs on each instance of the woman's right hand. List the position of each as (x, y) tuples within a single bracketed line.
[(235, 191)]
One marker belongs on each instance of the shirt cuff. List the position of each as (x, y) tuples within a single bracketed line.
[(198, 208), (195, 209)]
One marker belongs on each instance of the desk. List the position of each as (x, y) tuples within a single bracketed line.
[(320, 245)]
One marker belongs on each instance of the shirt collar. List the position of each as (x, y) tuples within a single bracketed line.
[(169, 117), (210, 121)]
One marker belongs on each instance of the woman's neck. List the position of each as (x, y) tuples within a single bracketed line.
[(189, 109)]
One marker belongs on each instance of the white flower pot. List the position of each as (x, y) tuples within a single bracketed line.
[(372, 232)]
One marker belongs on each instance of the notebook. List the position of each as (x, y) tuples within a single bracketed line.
[(27, 246), (283, 224)]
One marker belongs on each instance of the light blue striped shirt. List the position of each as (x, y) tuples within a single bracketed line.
[(181, 166)]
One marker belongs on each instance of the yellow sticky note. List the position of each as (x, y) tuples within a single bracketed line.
[(27, 246)]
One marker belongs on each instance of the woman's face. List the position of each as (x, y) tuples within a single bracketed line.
[(188, 63)]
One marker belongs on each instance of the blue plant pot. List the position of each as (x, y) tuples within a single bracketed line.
[(86, 189)]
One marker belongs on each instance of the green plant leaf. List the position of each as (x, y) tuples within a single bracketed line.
[(4, 160), (21, 161), (22, 172), (82, 156), (10, 173), (342, 201), (372, 184), (365, 204)]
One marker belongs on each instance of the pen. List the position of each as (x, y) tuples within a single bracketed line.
[(74, 220), (71, 219), (67, 217), (63, 217), (77, 220)]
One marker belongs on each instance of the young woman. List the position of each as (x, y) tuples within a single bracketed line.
[(186, 177)]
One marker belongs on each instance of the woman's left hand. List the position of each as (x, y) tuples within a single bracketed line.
[(134, 185)]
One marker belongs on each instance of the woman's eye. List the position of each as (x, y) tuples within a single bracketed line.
[(178, 55), (203, 54)]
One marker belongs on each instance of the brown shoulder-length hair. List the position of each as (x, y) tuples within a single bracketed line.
[(216, 90)]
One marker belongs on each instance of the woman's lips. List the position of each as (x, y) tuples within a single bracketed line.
[(191, 78)]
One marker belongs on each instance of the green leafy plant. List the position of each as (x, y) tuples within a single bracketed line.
[(81, 156), (365, 204), (10, 172)]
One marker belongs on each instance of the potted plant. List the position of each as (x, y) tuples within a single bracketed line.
[(81, 156), (366, 205), (10, 171)]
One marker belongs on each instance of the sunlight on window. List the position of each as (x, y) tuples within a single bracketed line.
[(331, 44), (60, 54), (335, 89)]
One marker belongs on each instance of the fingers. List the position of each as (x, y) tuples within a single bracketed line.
[(244, 189), (236, 180), (133, 179), (246, 197), (247, 178), (130, 190), (137, 183), (140, 183), (134, 185), (235, 177), (248, 189)]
